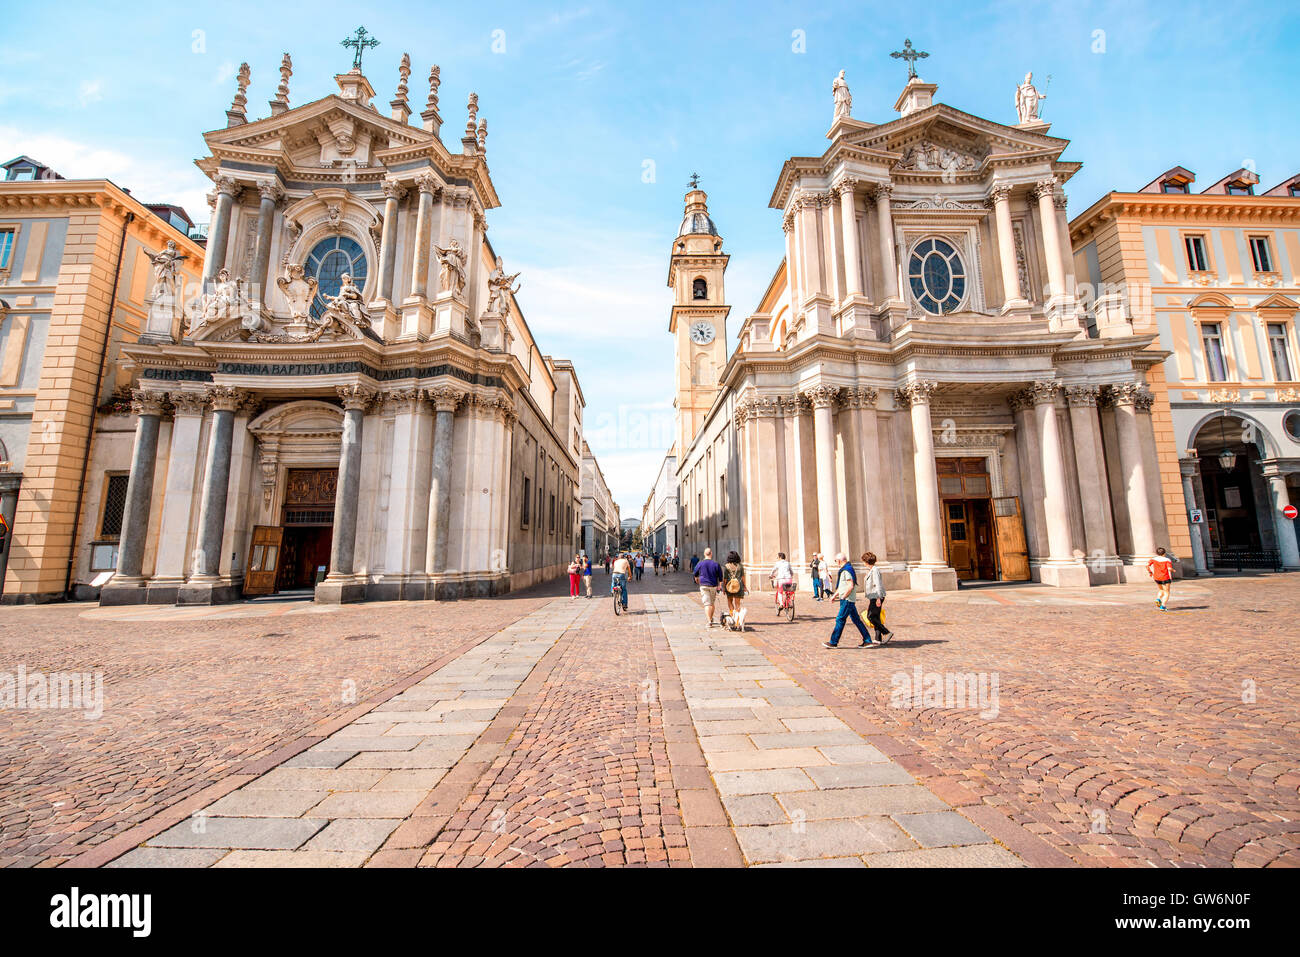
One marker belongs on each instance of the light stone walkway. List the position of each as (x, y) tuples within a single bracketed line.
[(800, 786), (336, 803)]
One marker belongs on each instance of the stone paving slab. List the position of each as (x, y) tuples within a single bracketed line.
[(335, 804), (800, 786)]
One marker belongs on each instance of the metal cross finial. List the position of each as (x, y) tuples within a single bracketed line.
[(360, 40), (695, 181), (911, 56)]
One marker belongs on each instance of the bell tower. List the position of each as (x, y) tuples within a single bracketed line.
[(699, 315)]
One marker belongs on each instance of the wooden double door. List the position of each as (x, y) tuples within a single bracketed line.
[(984, 537), (295, 554)]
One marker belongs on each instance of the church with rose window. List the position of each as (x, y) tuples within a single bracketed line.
[(923, 377)]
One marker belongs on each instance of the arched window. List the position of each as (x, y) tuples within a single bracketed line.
[(329, 260), (700, 290), (937, 277)]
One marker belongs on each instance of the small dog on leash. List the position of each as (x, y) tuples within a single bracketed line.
[(734, 622)]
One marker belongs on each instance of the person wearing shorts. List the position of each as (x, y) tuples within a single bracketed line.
[(708, 574), (1161, 570)]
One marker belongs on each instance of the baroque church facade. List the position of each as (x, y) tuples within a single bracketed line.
[(352, 401), (921, 378)]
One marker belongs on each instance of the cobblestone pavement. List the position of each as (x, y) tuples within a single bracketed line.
[(800, 785), (536, 731), (191, 695), (1122, 735), (585, 778)]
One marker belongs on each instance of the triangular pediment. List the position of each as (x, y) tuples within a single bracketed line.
[(955, 130)]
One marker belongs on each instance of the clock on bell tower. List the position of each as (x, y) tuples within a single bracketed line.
[(699, 315)]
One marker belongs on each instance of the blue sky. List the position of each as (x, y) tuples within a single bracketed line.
[(584, 94)]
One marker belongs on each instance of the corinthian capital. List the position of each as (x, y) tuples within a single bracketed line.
[(1000, 193), (446, 400), (1044, 187), (1044, 392), (1082, 395), (228, 185), (271, 191), (147, 402), (917, 392), (1126, 394), (427, 183), (822, 396), (393, 190), (188, 403), (356, 396), (881, 192), (226, 398)]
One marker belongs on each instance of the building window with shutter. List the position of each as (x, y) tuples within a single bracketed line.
[(1216, 369)]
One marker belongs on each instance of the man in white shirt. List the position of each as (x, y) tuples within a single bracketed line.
[(781, 574)]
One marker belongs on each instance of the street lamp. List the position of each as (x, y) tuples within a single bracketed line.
[(1227, 458)]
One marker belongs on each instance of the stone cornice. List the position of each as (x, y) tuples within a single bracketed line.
[(1183, 207), (46, 197)]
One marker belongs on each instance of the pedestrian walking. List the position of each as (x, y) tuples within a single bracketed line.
[(733, 587), (846, 584), (586, 574), (695, 560), (873, 590), (1161, 570), (816, 578), (708, 574), (824, 570), (640, 565), (575, 570)]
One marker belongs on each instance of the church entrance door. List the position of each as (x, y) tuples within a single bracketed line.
[(968, 517), (264, 553), (308, 527), (1013, 553)]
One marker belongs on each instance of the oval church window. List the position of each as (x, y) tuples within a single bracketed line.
[(329, 260), (937, 277)]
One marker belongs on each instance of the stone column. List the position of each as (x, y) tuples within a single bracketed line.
[(822, 399), (849, 227), (792, 276), (1045, 191), (1088, 457), (1283, 526), (271, 194), (865, 447), (885, 226), (427, 186), (932, 574), (1061, 568), (148, 409), (445, 402), (178, 497), (219, 229), (393, 193), (1133, 469), (1190, 469), (204, 584), (338, 585), (812, 273), (408, 500), (1000, 199)]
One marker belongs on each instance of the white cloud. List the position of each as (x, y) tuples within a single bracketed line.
[(150, 180), (226, 71), (91, 91)]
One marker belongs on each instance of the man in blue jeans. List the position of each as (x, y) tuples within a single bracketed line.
[(846, 583)]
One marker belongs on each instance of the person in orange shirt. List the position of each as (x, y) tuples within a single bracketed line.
[(1161, 570)]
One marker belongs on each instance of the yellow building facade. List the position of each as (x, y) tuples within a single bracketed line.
[(1216, 273), (76, 280)]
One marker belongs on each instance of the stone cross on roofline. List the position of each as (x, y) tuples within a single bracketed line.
[(911, 56), (360, 40), (695, 181)]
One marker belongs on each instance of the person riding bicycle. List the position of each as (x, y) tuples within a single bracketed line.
[(622, 569), (782, 576)]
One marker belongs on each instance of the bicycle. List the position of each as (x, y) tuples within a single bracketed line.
[(785, 600), (616, 589)]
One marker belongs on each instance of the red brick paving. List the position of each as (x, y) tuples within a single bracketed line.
[(187, 703), (1122, 738), (585, 778)]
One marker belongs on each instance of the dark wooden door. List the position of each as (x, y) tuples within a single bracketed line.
[(1009, 531)]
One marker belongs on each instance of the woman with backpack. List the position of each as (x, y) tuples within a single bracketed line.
[(733, 585)]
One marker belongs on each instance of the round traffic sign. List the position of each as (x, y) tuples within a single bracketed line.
[(1289, 511)]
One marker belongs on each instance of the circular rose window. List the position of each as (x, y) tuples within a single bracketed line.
[(937, 277)]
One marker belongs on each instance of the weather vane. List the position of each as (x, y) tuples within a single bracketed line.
[(695, 181), (911, 56), (360, 40)]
